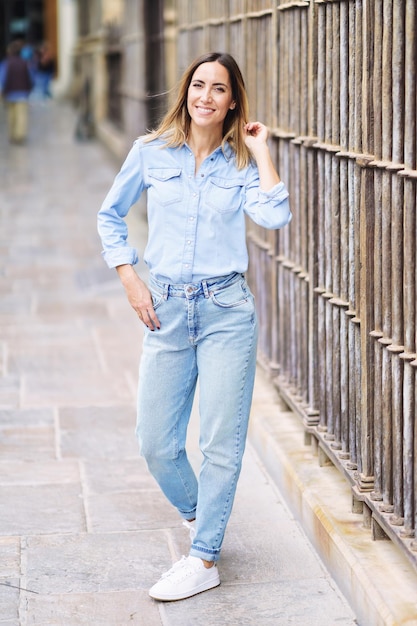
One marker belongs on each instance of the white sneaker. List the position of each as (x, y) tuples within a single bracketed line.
[(191, 528), (185, 578)]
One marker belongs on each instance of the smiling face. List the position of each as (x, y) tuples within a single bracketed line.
[(210, 97)]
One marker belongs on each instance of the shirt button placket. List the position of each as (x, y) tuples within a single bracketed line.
[(190, 236)]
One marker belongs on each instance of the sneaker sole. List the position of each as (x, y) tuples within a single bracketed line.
[(171, 598)]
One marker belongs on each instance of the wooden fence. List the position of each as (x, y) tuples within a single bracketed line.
[(336, 290)]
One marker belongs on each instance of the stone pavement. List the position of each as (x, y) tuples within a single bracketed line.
[(84, 530)]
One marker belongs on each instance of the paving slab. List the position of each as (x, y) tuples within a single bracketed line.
[(284, 602), (106, 476), (98, 431), (84, 529), (89, 562), (101, 609), (41, 509), (28, 472)]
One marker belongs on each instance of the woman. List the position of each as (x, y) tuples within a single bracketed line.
[(204, 168)]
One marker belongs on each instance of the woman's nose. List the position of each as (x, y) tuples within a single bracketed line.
[(206, 95)]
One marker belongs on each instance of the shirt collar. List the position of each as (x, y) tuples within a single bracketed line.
[(227, 151)]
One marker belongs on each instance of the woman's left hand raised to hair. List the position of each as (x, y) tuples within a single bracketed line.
[(256, 135), (256, 140)]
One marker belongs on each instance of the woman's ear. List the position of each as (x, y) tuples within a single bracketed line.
[(232, 106)]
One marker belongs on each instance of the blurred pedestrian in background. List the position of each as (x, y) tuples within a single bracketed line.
[(16, 83), (27, 53), (45, 70)]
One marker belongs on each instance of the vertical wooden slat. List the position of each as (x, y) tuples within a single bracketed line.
[(410, 269), (320, 210), (312, 411), (356, 145), (327, 250), (396, 348), (352, 222), (377, 332), (366, 279)]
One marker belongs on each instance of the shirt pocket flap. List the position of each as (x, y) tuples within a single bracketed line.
[(165, 173), (226, 183)]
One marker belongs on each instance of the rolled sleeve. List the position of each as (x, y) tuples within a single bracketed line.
[(125, 191), (270, 209), (120, 256), (278, 193)]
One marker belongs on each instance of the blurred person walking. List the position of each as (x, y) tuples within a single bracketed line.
[(16, 83), (205, 168), (45, 70)]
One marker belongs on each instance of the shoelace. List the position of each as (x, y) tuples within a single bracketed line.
[(182, 570), (175, 567)]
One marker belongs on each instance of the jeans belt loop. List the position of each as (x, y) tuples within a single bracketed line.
[(205, 289)]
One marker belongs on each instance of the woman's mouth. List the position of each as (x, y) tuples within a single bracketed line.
[(204, 110)]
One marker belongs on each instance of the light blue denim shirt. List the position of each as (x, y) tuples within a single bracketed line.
[(196, 221)]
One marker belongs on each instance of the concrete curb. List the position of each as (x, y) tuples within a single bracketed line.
[(376, 579)]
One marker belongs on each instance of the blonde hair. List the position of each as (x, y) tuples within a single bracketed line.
[(175, 125)]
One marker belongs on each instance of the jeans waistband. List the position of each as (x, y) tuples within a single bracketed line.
[(191, 290)]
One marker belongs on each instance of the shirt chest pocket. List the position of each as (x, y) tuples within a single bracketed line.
[(225, 195), (165, 185)]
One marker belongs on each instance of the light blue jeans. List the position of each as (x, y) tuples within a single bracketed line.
[(208, 330)]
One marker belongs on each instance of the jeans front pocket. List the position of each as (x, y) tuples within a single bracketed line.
[(157, 299), (232, 296)]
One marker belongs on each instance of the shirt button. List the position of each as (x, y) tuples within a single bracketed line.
[(188, 242), (191, 218)]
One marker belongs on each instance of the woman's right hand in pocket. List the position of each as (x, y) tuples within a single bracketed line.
[(139, 296)]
